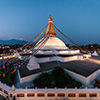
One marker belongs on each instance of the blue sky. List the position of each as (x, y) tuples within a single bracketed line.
[(78, 19)]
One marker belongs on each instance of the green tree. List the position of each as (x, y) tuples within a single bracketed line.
[(58, 71), (43, 80), (58, 78)]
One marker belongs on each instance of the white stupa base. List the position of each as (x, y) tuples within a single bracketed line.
[(54, 51)]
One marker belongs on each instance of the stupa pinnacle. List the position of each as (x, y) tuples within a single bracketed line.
[(50, 30)]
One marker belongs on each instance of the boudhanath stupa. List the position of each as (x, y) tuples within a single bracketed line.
[(53, 45), (54, 52)]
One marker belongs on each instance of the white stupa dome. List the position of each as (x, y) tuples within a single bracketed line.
[(52, 43)]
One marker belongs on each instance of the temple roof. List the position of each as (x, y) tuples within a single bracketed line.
[(50, 30)]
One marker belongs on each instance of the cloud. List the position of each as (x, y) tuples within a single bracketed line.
[(12, 38), (15, 38), (20, 38)]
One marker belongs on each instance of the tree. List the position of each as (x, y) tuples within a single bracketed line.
[(58, 78), (58, 71)]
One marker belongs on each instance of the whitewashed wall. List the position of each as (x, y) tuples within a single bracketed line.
[(28, 78), (77, 77), (57, 58), (4, 89), (85, 80), (68, 94), (92, 76)]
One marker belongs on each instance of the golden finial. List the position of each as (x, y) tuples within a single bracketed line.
[(50, 19), (50, 30), (50, 16)]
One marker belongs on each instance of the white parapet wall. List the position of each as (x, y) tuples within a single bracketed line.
[(67, 59), (4, 89), (49, 93), (69, 52), (28, 78), (4, 86), (55, 94), (85, 80), (56, 58), (42, 60), (54, 51), (77, 77), (61, 59), (92, 76)]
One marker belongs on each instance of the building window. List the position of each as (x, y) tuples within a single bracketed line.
[(40, 94), (61, 94), (30, 95), (82, 95), (93, 95), (20, 95), (51, 94), (71, 95)]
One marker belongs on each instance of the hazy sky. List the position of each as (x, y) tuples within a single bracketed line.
[(78, 19)]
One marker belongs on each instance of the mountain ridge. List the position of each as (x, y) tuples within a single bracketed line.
[(12, 42)]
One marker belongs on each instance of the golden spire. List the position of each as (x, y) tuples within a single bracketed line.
[(50, 30)]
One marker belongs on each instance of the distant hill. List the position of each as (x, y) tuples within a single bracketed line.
[(12, 42)]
